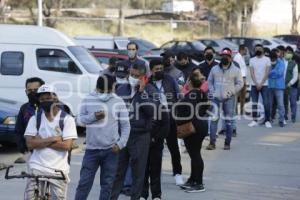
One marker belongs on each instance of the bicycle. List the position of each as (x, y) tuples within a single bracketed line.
[(40, 193)]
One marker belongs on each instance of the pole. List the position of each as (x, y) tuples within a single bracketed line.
[(40, 12)]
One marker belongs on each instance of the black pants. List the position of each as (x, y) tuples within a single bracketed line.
[(173, 147), (153, 170), (193, 145), (136, 151)]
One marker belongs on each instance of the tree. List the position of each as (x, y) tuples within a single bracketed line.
[(295, 18)]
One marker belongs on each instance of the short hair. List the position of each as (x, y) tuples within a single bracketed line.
[(105, 81), (289, 48), (273, 54), (154, 62), (195, 80), (34, 79), (182, 55), (267, 50), (133, 43), (209, 48), (258, 45), (140, 67), (281, 48), (242, 47)]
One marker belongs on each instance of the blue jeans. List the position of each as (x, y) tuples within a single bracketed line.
[(279, 95), (254, 97), (228, 106), (291, 98), (128, 179), (92, 160)]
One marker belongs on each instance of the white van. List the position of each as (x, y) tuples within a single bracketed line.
[(32, 51)]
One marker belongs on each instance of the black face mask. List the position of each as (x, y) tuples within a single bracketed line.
[(47, 105), (224, 61), (112, 69), (209, 56), (32, 97), (159, 75), (258, 53)]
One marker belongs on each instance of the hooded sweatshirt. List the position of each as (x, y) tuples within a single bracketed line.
[(113, 129)]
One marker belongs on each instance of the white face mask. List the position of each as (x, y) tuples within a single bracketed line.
[(133, 81), (131, 54), (103, 96), (121, 80)]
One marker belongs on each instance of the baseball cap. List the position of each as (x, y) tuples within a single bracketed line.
[(227, 52), (46, 89), (121, 71), (167, 54)]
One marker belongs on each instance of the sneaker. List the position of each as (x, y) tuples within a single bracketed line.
[(284, 122), (157, 198), (253, 123), (142, 198), (226, 147), (222, 132), (195, 188), (178, 179), (281, 124), (187, 185), (268, 124), (211, 147), (20, 160), (234, 134)]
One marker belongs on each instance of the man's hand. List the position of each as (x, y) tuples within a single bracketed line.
[(143, 82), (55, 139), (258, 87), (116, 149), (99, 115)]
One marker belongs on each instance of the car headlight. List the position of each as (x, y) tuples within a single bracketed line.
[(10, 121)]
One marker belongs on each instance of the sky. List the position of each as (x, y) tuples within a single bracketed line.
[(274, 11)]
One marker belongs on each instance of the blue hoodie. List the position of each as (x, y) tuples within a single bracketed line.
[(276, 75)]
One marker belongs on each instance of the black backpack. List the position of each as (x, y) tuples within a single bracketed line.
[(61, 125)]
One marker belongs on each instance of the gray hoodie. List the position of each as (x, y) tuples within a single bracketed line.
[(225, 83), (113, 129)]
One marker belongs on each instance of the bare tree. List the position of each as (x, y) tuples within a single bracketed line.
[(295, 18)]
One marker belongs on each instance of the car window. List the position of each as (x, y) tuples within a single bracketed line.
[(168, 45), (12, 63), (210, 43), (55, 60), (266, 42)]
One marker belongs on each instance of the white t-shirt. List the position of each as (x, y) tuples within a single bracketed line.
[(259, 66), (240, 60), (47, 159)]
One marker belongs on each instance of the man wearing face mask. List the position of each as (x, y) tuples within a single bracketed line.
[(209, 62), (50, 143), (107, 127), (170, 69), (138, 95), (184, 64), (291, 84), (27, 110), (224, 82), (111, 67), (259, 70), (121, 74), (277, 84)]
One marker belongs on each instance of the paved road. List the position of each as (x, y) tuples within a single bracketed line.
[(263, 164)]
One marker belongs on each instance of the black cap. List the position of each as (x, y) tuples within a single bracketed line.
[(121, 70), (167, 54)]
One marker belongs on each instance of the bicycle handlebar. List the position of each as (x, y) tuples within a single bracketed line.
[(26, 175)]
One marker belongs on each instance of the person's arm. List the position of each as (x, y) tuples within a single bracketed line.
[(36, 142), (124, 125), (277, 72), (210, 80), (266, 75), (62, 145), (20, 130), (253, 75), (85, 117), (239, 82), (295, 76)]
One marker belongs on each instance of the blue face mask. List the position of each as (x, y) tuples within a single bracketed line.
[(103, 96)]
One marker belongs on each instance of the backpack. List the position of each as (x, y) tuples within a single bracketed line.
[(61, 125)]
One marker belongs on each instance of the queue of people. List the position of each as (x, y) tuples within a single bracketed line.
[(136, 108)]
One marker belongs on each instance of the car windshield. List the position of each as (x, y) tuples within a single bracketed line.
[(88, 61), (198, 45)]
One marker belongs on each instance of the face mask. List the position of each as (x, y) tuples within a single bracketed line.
[(32, 97), (209, 56), (258, 53), (224, 61), (133, 81), (121, 80), (159, 75), (46, 105), (112, 69), (288, 56), (104, 96), (131, 54)]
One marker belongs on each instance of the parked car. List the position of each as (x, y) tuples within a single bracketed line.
[(28, 51), (8, 114), (292, 39), (219, 44), (247, 41), (194, 48), (103, 55), (144, 46)]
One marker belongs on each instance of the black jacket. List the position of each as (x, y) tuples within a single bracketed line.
[(194, 97), (206, 68), (186, 69)]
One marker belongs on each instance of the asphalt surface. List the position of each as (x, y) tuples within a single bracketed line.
[(263, 164)]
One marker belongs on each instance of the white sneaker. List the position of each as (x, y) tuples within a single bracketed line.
[(268, 124), (142, 198), (253, 123), (157, 198), (178, 179), (284, 122)]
